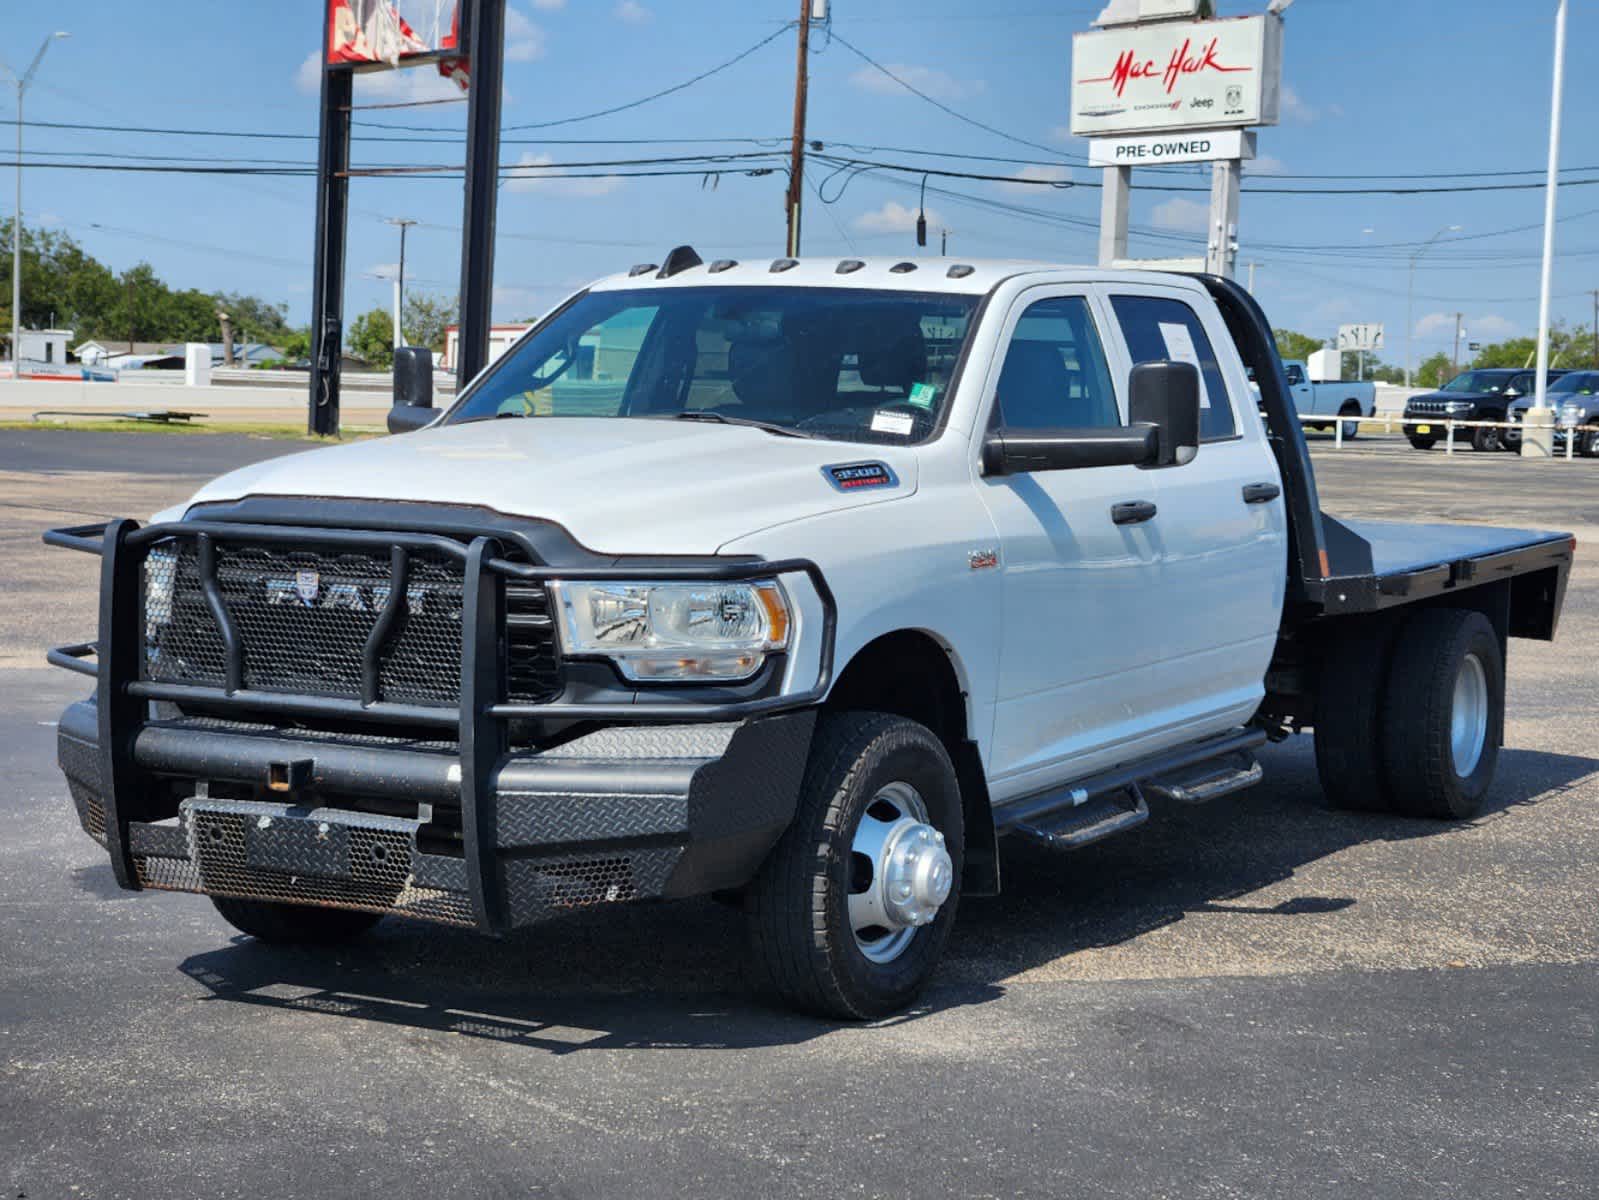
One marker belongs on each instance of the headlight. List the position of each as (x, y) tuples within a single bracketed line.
[(1458, 406), (675, 631), (1571, 414)]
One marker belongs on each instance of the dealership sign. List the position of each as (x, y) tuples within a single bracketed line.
[(1148, 148), (1176, 75)]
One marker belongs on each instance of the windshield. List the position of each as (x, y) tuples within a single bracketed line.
[(835, 363), (1477, 381), (1581, 383)]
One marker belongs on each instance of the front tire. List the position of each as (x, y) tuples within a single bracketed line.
[(294, 924), (1423, 443), (879, 791), (1588, 441), (1443, 714)]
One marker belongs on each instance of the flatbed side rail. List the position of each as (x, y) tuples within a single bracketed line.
[(478, 720)]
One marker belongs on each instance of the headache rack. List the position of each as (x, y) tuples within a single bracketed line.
[(420, 631)]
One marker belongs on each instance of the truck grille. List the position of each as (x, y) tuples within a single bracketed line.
[(304, 616), (1436, 408)]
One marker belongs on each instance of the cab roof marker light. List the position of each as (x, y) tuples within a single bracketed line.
[(723, 264), (849, 266), (783, 264), (961, 271), (642, 269), (679, 260), (904, 268)]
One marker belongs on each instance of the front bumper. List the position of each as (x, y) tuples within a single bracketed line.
[(627, 813), (436, 811)]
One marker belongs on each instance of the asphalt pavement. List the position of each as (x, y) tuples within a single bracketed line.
[(1255, 998)]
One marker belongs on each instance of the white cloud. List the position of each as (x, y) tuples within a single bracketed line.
[(1481, 328), (894, 217), (939, 84), (633, 13), (1025, 182), (549, 5), (558, 183), (1295, 108), (1264, 164), (524, 40), (1186, 216)]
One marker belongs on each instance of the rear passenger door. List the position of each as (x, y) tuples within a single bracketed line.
[(1223, 569)]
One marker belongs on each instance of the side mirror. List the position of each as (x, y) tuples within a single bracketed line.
[(1023, 450), (1166, 395), (413, 390)]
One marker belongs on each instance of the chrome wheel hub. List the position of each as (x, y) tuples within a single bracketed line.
[(900, 873), (1468, 716)]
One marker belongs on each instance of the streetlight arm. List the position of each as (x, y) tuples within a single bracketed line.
[(33, 67)]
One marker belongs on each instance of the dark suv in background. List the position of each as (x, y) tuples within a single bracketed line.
[(1575, 398), (1482, 395)]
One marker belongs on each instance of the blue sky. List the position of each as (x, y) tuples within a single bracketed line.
[(1397, 86)]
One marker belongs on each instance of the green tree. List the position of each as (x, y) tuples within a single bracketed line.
[(254, 319), (1292, 345), (426, 319), (296, 344), (1568, 347), (372, 338), (1435, 371)]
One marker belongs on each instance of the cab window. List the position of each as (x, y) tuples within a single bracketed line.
[(1158, 329), (1055, 375)]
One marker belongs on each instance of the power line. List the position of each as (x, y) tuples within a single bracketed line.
[(653, 96), (939, 104)]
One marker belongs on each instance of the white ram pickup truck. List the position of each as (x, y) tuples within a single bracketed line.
[(799, 583)]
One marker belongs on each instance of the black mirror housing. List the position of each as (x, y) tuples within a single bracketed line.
[(413, 389), (1166, 395), (1024, 450)]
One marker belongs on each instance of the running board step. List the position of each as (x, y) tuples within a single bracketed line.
[(1093, 821), (1207, 781)]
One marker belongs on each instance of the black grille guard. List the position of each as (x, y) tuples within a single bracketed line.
[(115, 660)]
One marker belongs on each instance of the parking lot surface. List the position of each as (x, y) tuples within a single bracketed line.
[(1255, 998)]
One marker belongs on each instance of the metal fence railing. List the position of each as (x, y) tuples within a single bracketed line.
[(1392, 421)]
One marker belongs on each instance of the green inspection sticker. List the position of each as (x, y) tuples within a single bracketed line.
[(923, 395)]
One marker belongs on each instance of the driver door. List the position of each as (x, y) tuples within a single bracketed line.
[(1081, 597)]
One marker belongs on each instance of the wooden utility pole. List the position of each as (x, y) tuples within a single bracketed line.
[(796, 167)]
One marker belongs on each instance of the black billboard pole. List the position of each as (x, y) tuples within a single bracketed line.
[(485, 37), (332, 227), (482, 34)]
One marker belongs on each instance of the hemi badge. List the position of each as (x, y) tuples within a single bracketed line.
[(981, 560), (858, 477)]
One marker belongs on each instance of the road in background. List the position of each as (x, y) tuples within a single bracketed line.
[(1246, 999)]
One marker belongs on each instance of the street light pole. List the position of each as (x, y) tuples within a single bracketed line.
[(1410, 296), (22, 82), (404, 223), (1551, 192)]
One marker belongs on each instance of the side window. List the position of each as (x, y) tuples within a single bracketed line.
[(1295, 375), (1158, 329), (588, 376), (1055, 375)]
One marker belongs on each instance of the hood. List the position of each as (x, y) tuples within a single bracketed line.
[(617, 486)]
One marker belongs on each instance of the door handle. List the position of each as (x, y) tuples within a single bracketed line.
[(1261, 493), (1132, 512)]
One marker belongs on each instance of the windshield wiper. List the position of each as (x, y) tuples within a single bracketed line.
[(700, 414), (499, 416)]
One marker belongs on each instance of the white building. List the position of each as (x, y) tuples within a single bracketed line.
[(501, 339), (44, 348)]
